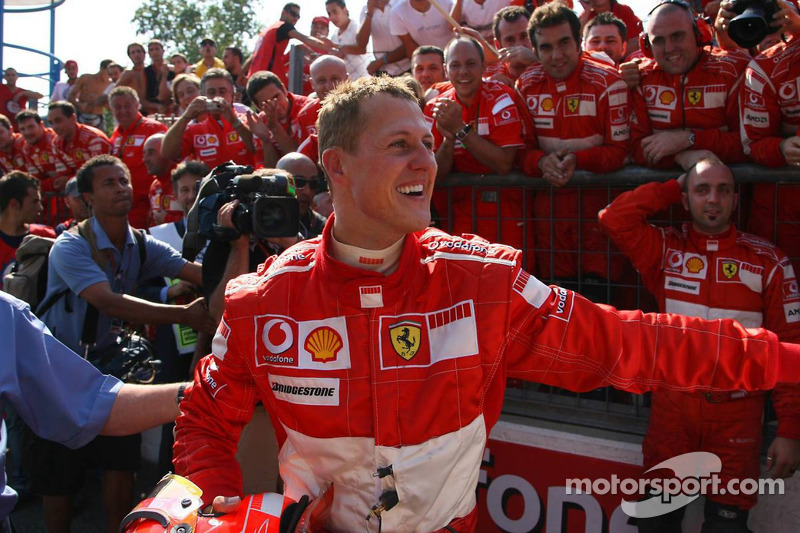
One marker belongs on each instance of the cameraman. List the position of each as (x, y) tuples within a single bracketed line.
[(785, 23)]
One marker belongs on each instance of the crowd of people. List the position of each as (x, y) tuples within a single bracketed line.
[(114, 167)]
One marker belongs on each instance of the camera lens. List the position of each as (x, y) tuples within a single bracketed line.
[(749, 28)]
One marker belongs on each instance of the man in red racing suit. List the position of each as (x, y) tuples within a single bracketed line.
[(712, 271), (769, 103), (382, 353)]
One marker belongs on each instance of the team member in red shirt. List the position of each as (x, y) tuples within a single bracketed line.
[(128, 144), (276, 125), (478, 128), (271, 44), (769, 135), (633, 24), (43, 159), (220, 136), (164, 205), (710, 269), (326, 73), (687, 100), (11, 157), (78, 142), (510, 28), (20, 207), (580, 120)]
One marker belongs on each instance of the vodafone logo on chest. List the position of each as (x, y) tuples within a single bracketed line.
[(313, 344)]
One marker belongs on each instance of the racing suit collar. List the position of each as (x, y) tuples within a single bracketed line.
[(711, 243), (364, 288)]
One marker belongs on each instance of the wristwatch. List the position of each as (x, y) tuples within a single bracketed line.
[(181, 393), (692, 139), (463, 132)]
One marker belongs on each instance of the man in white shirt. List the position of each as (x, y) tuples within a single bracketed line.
[(417, 23), (345, 37)]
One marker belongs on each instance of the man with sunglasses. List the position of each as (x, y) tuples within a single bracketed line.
[(307, 183), (272, 43)]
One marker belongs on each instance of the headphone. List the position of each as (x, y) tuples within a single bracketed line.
[(703, 31)]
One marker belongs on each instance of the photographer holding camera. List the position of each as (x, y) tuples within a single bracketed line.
[(755, 25), (210, 130)]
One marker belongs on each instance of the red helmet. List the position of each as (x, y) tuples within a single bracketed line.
[(175, 503)]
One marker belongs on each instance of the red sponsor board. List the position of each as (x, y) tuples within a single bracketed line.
[(522, 489)]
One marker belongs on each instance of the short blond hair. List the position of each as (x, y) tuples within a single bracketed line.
[(341, 119)]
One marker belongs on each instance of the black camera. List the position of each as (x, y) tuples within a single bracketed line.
[(752, 23), (267, 206)]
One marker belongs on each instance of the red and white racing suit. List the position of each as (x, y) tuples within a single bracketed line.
[(45, 161), (704, 100), (13, 159), (498, 115), (770, 103), (215, 142), (361, 371), (586, 113), (306, 121), (86, 143), (128, 145), (732, 275)]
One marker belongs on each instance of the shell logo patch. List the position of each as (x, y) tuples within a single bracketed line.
[(405, 337), (667, 97), (546, 104), (695, 265), (323, 344)]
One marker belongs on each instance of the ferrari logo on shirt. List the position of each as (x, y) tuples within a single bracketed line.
[(323, 344), (729, 269), (130, 141), (79, 154), (573, 103), (44, 158), (233, 137), (694, 96), (405, 337)]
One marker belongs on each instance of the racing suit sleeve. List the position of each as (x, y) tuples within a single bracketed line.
[(760, 118), (215, 409), (625, 222), (641, 128), (780, 299), (725, 144), (613, 114), (557, 337)]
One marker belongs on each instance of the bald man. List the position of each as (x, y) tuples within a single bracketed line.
[(308, 183), (326, 73)]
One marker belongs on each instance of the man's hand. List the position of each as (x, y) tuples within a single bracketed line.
[(196, 316), (374, 66), (518, 55), (786, 19), (225, 504), (258, 125), (660, 145), (783, 457), (558, 167), (197, 107), (270, 114), (790, 148), (182, 288), (688, 158), (447, 114), (226, 110), (629, 71)]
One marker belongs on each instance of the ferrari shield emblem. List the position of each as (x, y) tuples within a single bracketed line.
[(572, 104), (694, 96), (405, 338), (730, 268)]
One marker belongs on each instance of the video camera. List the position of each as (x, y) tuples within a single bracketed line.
[(752, 23), (267, 207)]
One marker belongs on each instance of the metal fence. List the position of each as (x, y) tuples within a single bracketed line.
[(533, 223)]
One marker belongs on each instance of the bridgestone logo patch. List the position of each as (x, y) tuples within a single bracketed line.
[(305, 391)]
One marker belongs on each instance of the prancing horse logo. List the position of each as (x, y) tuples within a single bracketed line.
[(405, 337)]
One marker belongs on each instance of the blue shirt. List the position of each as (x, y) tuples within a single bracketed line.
[(57, 393), (72, 267)]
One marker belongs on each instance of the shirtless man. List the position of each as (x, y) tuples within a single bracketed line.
[(134, 77), (88, 96)]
